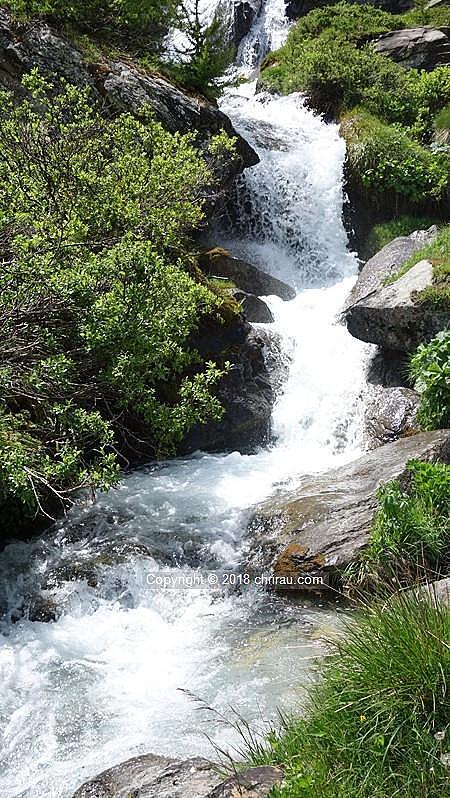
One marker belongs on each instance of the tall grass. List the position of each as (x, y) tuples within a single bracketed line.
[(377, 724)]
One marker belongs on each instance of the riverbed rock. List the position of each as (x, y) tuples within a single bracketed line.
[(117, 86), (390, 414), (246, 391), (416, 48), (388, 262), (322, 526), (218, 262), (253, 307), (392, 317), (152, 776)]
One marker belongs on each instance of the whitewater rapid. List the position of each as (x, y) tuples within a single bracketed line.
[(108, 679)]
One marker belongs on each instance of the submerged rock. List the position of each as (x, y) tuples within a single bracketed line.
[(322, 526), (416, 48), (249, 278), (253, 308), (391, 317), (152, 776)]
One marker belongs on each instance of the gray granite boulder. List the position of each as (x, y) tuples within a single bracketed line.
[(322, 526)]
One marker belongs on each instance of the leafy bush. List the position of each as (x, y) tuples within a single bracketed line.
[(430, 371), (96, 302), (376, 723), (442, 120), (387, 160)]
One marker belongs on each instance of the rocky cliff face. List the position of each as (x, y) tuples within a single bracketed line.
[(416, 48)]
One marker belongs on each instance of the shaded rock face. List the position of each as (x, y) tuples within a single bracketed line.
[(416, 48), (252, 307), (117, 87), (248, 278), (246, 391), (244, 15), (392, 318), (153, 776), (323, 525), (387, 262)]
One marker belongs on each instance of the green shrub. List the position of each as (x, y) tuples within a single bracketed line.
[(387, 161), (376, 723), (96, 302), (430, 372)]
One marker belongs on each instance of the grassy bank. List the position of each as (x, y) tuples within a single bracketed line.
[(438, 253), (377, 722)]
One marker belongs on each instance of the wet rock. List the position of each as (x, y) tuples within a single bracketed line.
[(253, 308), (117, 87), (152, 776), (217, 262), (416, 48), (391, 317), (246, 391), (387, 262), (390, 414), (322, 526), (244, 15)]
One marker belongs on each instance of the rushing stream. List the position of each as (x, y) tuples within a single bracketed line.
[(106, 680)]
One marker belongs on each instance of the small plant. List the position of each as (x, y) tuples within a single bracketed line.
[(430, 372)]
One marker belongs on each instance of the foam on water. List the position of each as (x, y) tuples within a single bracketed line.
[(103, 682)]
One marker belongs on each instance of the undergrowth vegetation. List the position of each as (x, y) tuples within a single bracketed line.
[(389, 113), (98, 294), (430, 372), (385, 232), (376, 722), (410, 539)]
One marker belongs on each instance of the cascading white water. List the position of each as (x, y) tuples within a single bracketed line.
[(103, 682)]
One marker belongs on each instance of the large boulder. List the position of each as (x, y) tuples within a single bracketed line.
[(392, 317), (322, 526), (219, 263), (117, 86), (388, 262), (416, 48), (152, 776), (246, 391)]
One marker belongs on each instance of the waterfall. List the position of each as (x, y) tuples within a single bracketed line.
[(106, 680)]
